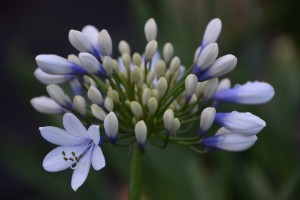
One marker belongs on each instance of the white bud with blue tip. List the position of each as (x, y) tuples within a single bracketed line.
[(209, 89), (58, 95), (91, 64), (241, 123), (141, 134), (56, 65), (111, 127), (46, 105), (249, 93), (206, 120)]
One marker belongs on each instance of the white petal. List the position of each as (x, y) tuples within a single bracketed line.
[(94, 133), (212, 32), (81, 172), (59, 136), (98, 160), (80, 41), (74, 126), (91, 33), (54, 160), (46, 105), (49, 78)]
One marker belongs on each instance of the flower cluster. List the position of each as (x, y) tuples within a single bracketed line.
[(139, 98)]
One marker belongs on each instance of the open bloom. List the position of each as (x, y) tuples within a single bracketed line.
[(79, 149)]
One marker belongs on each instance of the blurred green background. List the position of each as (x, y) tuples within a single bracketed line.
[(263, 34)]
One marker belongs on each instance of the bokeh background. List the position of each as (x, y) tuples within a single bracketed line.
[(263, 34)]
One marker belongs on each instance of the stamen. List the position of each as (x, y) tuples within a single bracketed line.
[(66, 159), (63, 153), (73, 153), (71, 159)]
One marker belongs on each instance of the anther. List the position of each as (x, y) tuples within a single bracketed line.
[(71, 159), (73, 153), (63, 153), (66, 159)]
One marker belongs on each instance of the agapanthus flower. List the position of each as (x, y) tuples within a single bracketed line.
[(79, 148)]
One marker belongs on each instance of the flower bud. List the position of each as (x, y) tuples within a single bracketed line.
[(162, 86), (135, 74), (208, 56), (206, 120), (150, 77), (190, 86), (142, 68), (146, 96), (168, 51), (140, 81), (137, 59), (150, 29), (152, 105), (95, 96), (124, 47), (150, 50), (58, 95), (222, 131), (98, 112), (154, 93), (212, 32), (109, 104), (141, 134), (200, 88), (152, 86), (249, 93), (116, 66), (167, 75), (229, 142), (46, 105), (209, 89), (123, 76), (74, 59), (219, 67), (196, 55), (176, 126), (126, 60), (136, 109), (56, 65), (111, 127), (113, 95), (91, 64), (82, 43), (245, 124), (105, 43), (79, 105), (160, 68), (144, 86), (107, 82), (174, 65), (168, 120), (108, 65)]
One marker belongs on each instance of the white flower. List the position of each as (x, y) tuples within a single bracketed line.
[(206, 120), (79, 149), (46, 105), (111, 127), (56, 65), (229, 142), (212, 32), (241, 123), (150, 29), (219, 67), (92, 33), (249, 93)]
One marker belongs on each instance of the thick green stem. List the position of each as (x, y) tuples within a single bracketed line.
[(135, 188)]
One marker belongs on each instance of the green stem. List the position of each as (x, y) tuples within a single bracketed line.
[(135, 187)]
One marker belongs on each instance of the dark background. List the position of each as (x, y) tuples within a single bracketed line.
[(263, 34)]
